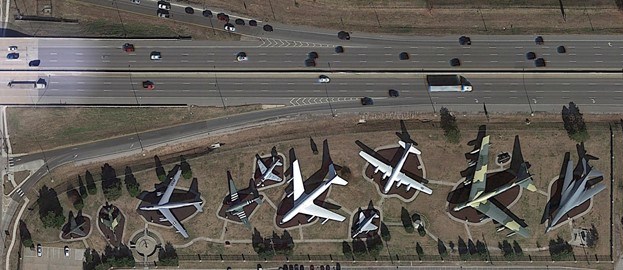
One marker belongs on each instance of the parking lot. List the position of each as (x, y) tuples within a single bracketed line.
[(53, 258)]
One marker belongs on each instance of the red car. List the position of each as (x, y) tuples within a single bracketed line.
[(128, 47), (149, 85)]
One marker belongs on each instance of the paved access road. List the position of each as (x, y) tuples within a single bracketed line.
[(503, 53), (286, 89)]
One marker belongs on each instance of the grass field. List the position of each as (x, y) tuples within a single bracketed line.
[(543, 143), (34, 128)]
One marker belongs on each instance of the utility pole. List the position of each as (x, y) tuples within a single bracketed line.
[(483, 19), (523, 77), (271, 9), (219, 89), (327, 93), (139, 106)]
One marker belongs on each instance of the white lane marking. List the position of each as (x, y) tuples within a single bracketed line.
[(441, 54), (262, 54), (467, 54), (599, 61), (598, 54), (389, 61), (493, 54), (132, 61), (388, 47), (361, 54), (492, 47), (596, 47), (53, 60), (518, 47), (493, 61), (546, 54), (363, 61), (184, 61), (337, 61), (184, 54), (519, 54), (78, 53), (262, 61), (388, 54), (572, 54), (53, 53)]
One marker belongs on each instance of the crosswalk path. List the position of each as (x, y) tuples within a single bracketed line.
[(20, 192), (318, 100), (11, 162), (275, 42)]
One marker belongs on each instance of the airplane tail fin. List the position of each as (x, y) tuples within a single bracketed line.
[(409, 148), (404, 134), (232, 186), (326, 156)]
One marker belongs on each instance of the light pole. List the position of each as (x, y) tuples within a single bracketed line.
[(483, 19), (523, 78), (219, 89), (139, 106), (327, 93), (125, 33)]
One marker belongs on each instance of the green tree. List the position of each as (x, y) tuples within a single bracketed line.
[(441, 248), (385, 232), (111, 185), (449, 126), (168, 256), (406, 220), (187, 172), (574, 123), (24, 234), (346, 249), (52, 220), (82, 189), (159, 169), (419, 249), (131, 185), (560, 250), (50, 209), (359, 247), (91, 187)]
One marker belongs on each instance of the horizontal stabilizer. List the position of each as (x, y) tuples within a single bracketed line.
[(410, 148)]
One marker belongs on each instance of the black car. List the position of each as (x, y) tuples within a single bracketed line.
[(268, 28), (338, 266), (530, 55), (393, 93), (310, 62), (189, 10), (561, 49), (539, 62), (339, 49), (463, 40), (296, 267), (364, 101), (343, 35), (455, 62), (539, 40), (207, 13), (312, 55), (321, 267), (285, 267), (252, 22), (34, 63), (327, 267), (403, 56), (291, 267), (259, 266), (239, 22), (302, 267)]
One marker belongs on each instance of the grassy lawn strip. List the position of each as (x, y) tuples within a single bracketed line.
[(55, 127), (111, 29)]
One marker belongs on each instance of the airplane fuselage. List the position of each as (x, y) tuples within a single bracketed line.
[(359, 229), (239, 206), (168, 205), (396, 170), (269, 171), (486, 196), (305, 200)]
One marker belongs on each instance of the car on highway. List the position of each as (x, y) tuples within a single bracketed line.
[(241, 56), (12, 56), (343, 35), (530, 55), (66, 249), (12, 48), (312, 55), (321, 267), (128, 47), (338, 266), (222, 17), (34, 63), (259, 266), (310, 62), (267, 28), (189, 10), (324, 79), (163, 13), (239, 22), (252, 23), (339, 49), (164, 5), (539, 40), (403, 56), (327, 267), (296, 267), (539, 62), (367, 101), (311, 267), (455, 62), (463, 40), (285, 266), (149, 85), (561, 49), (207, 13), (138, 2), (393, 93), (39, 250), (155, 55), (230, 27)]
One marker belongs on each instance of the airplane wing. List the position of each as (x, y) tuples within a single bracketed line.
[(167, 194), (403, 179), (171, 218), (499, 216), (317, 211), (233, 192), (272, 176), (243, 217), (297, 180), (590, 193), (369, 227), (380, 166), (479, 182), (260, 164)]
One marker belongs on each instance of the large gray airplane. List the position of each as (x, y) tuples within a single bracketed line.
[(164, 205), (579, 185), (237, 206)]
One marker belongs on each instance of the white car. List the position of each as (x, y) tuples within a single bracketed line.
[(155, 56), (39, 250), (323, 79), (138, 2), (12, 48), (164, 6), (230, 27), (66, 251)]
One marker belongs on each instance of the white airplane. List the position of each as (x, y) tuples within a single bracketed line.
[(304, 202), (164, 205), (394, 174), (267, 172), (364, 224)]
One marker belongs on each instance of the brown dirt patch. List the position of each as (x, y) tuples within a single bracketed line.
[(20, 176)]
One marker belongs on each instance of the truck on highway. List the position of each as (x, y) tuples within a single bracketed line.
[(448, 83), (38, 84)]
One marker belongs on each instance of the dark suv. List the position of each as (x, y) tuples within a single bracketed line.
[(367, 101), (463, 40)]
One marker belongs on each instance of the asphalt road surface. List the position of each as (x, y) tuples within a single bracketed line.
[(290, 89), (504, 53)]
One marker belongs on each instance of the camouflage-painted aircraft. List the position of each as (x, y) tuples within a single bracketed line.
[(483, 200)]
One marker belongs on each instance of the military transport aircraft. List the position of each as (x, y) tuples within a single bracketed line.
[(237, 206), (394, 174), (484, 202), (164, 205), (580, 185)]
